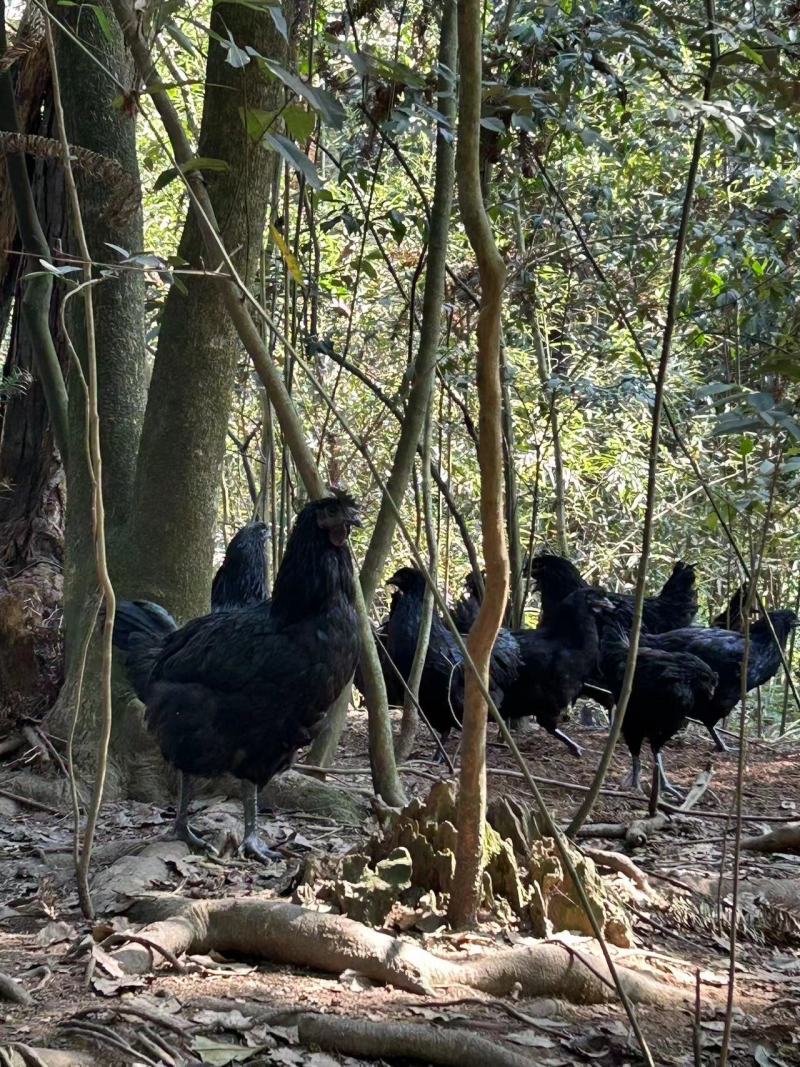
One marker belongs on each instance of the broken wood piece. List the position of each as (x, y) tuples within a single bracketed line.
[(639, 830)]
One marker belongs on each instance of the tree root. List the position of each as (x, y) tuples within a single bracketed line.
[(783, 839), (415, 1041), (287, 933), (12, 991), (636, 833), (17, 1054), (615, 861)]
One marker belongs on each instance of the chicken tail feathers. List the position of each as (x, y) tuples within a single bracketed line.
[(140, 628)]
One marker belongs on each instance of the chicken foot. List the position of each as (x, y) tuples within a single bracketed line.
[(182, 829), (252, 845)]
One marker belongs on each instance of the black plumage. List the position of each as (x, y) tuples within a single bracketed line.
[(242, 577), (732, 615), (555, 661), (673, 607), (555, 578), (667, 687), (469, 603), (240, 691), (441, 689), (723, 651)]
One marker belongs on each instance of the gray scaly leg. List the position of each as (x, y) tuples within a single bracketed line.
[(182, 829), (252, 845)]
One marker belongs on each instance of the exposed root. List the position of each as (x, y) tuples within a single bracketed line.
[(783, 839), (17, 1055), (414, 1041), (615, 861), (12, 991), (287, 933)]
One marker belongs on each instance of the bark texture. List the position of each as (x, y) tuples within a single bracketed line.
[(183, 439), (465, 898)]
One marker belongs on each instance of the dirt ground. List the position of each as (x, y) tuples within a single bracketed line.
[(44, 941)]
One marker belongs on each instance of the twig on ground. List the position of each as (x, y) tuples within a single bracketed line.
[(29, 802)]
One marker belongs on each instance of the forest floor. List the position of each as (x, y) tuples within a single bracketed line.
[(205, 1012)]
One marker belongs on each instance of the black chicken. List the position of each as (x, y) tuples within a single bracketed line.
[(240, 581), (732, 615), (556, 660), (441, 688), (468, 605), (242, 577), (667, 687), (240, 691), (723, 651), (674, 607)]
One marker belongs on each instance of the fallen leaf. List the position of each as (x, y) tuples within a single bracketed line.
[(355, 982), (766, 1058), (219, 1053), (115, 888), (321, 1059), (51, 933), (224, 1020), (112, 987), (106, 962), (530, 1039), (287, 1056)]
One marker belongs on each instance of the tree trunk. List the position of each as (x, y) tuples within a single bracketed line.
[(32, 499), (183, 439), (466, 893), (95, 122)]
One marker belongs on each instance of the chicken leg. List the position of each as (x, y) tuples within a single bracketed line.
[(633, 779), (252, 845), (574, 748), (720, 744), (182, 829), (666, 784)]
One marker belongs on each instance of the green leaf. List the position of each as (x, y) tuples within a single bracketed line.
[(180, 38), (296, 159), (280, 21), (51, 268), (299, 122), (102, 21), (256, 121), (237, 57), (198, 163), (493, 123), (323, 102)]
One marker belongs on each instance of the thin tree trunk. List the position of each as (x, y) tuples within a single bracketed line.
[(585, 808), (466, 894), (95, 122), (418, 400), (544, 367), (512, 500)]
